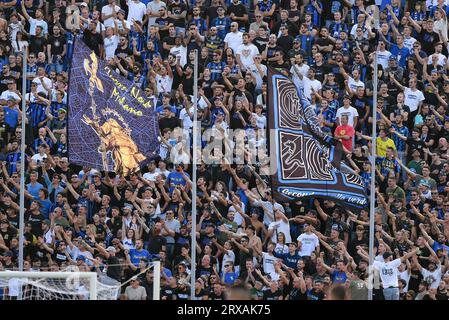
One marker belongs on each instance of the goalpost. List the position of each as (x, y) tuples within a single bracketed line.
[(31, 285), (68, 285)]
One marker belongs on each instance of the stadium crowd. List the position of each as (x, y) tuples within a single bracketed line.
[(301, 250)]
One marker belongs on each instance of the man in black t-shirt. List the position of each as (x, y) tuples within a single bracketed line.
[(238, 12), (285, 41), (168, 42), (178, 12), (414, 142), (123, 50), (156, 242), (428, 37), (113, 263), (58, 48), (93, 39), (38, 43), (217, 292)]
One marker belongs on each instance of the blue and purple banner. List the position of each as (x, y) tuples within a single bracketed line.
[(112, 126), (308, 161)]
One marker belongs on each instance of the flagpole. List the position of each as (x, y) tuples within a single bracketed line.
[(373, 181), (194, 158), (22, 162)]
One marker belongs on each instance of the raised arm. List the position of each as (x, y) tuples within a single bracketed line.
[(396, 82), (320, 211)]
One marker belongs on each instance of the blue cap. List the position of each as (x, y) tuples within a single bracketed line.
[(82, 258), (393, 57), (298, 38)]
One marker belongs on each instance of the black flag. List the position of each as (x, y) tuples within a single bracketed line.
[(308, 161)]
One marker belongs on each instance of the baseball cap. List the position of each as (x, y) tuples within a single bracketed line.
[(298, 38), (62, 110), (393, 57), (7, 254), (82, 258), (128, 206), (424, 182), (122, 11), (111, 249), (5, 221)]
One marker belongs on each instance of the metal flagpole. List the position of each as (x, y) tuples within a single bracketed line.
[(22, 162), (194, 157), (373, 184)]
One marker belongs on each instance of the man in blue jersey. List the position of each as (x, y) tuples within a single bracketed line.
[(11, 114), (221, 22), (178, 177), (139, 253), (400, 144), (217, 66)]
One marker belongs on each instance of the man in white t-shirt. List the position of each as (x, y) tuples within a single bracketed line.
[(164, 80), (389, 273), (110, 43), (301, 67), (268, 260), (308, 242), (108, 13), (39, 21), (347, 110), (186, 114), (153, 11), (310, 84), (151, 174), (234, 38), (383, 55), (413, 97), (354, 82), (280, 224), (43, 83), (179, 50), (8, 94), (432, 275), (259, 71), (408, 39), (246, 52), (136, 11)]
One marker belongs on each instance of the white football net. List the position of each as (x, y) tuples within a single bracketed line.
[(57, 286), (68, 285)]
